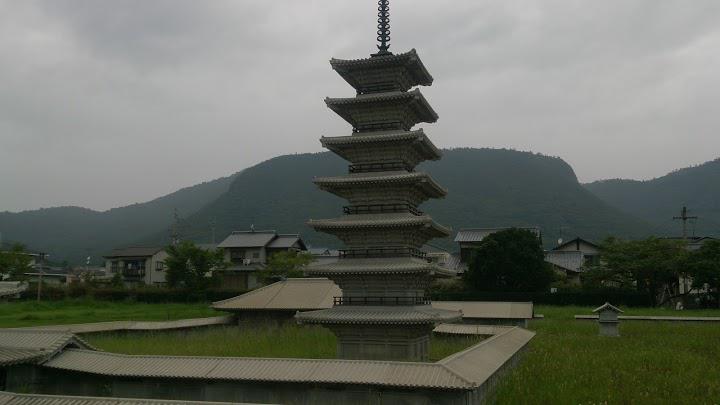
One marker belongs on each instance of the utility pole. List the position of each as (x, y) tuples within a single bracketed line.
[(684, 217), (40, 274), (175, 232), (212, 228)]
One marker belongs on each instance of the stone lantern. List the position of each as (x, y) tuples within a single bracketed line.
[(608, 319)]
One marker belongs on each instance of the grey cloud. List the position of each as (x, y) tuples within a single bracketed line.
[(104, 103)]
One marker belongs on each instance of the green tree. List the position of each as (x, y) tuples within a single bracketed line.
[(285, 264), (704, 267), (189, 266), (509, 260), (15, 262), (654, 264)]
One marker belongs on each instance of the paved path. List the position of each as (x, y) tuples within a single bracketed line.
[(136, 325), (656, 318)]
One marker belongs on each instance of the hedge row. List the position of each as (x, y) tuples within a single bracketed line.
[(580, 298), (141, 294)]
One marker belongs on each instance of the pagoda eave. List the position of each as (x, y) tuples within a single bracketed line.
[(379, 315), (396, 72), (378, 111), (397, 265), (381, 141), (421, 181), (382, 221)]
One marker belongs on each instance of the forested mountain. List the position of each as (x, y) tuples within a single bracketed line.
[(487, 188), (73, 233), (658, 200)]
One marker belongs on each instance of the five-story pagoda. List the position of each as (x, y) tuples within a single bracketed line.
[(383, 313)]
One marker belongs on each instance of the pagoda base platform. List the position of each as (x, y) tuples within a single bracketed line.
[(381, 332)]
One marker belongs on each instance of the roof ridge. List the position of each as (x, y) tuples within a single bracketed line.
[(251, 292)]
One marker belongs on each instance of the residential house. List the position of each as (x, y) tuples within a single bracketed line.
[(138, 265), (567, 263), (470, 238), (571, 258), (590, 250), (248, 253)]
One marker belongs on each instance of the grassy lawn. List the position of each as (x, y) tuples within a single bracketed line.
[(32, 313), (652, 362), (287, 341)]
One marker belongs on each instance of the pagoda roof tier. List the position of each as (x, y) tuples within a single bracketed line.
[(378, 266), (410, 147), (379, 315), (340, 185), (381, 221), (383, 72), (395, 110)]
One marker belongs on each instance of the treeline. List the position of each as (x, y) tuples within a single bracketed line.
[(509, 265)]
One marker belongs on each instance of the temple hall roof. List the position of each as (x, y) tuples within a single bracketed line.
[(292, 294)]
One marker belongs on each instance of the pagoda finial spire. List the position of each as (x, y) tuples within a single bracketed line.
[(383, 27)]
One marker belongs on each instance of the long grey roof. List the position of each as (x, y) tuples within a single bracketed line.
[(464, 371), (488, 309), (572, 260), (248, 239), (291, 294), (478, 234), (12, 398), (379, 315), (134, 251), (22, 346)]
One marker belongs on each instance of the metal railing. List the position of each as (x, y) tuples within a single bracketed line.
[(337, 301), (381, 208), (384, 251)]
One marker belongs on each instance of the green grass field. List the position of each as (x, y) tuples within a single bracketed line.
[(652, 362), (288, 341), (566, 363), (32, 313)]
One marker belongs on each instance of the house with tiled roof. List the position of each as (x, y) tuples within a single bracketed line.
[(248, 253), (138, 264)]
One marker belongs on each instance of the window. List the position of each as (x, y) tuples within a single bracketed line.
[(160, 266), (256, 255)]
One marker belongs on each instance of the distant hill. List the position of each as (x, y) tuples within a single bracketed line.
[(658, 200), (487, 188), (73, 233)]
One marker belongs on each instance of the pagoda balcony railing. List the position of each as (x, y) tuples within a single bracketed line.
[(385, 251), (381, 209), (379, 167), (380, 126), (381, 301)]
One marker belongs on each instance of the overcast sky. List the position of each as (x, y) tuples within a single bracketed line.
[(106, 103)]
